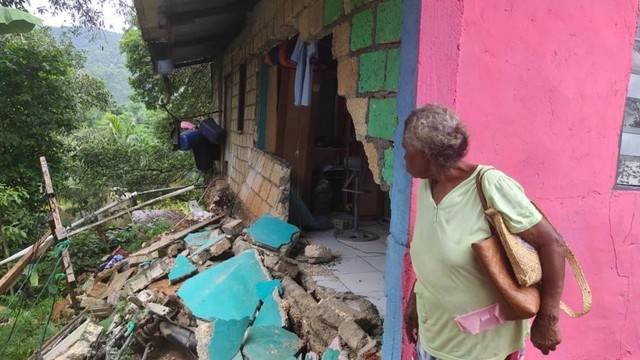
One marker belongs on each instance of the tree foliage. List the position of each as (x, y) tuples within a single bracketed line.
[(122, 152), (190, 87), (85, 13), (44, 97)]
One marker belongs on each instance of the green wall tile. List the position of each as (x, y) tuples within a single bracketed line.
[(372, 71), (387, 171), (389, 21), (362, 30), (393, 70), (332, 10), (383, 118)]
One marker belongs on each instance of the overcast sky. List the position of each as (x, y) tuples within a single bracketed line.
[(112, 20)]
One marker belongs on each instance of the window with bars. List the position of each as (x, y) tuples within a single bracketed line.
[(629, 159)]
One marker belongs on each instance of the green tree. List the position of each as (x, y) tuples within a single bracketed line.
[(44, 98), (123, 153)]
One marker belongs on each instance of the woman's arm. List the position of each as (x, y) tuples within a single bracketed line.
[(545, 334)]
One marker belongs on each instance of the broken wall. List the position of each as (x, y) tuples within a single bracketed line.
[(266, 187), (366, 43)]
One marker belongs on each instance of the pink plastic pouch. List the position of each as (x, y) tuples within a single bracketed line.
[(480, 320)]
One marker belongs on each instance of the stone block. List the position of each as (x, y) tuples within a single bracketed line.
[(372, 71), (240, 245), (233, 227), (244, 192), (362, 30), (358, 108), (341, 38), (373, 157), (353, 335), (348, 76), (265, 189), (267, 169), (387, 172), (332, 11), (316, 24), (389, 21), (317, 254), (274, 196), (383, 118)]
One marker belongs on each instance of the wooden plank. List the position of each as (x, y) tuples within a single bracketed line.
[(58, 229), (129, 210), (14, 273), (167, 240)]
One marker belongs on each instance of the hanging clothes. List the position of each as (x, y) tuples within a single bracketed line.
[(304, 55)]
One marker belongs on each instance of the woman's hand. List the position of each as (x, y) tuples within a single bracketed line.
[(545, 334), (411, 319)]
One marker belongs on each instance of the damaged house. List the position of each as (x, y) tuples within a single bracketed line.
[(312, 95), (307, 93)]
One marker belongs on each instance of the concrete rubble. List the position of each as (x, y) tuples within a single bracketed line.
[(221, 291)]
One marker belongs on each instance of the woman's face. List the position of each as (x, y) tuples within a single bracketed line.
[(417, 162)]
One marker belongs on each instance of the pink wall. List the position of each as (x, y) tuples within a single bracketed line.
[(541, 86)]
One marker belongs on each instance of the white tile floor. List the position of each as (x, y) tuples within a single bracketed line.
[(361, 267)]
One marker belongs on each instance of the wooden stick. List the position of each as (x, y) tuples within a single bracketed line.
[(60, 232)]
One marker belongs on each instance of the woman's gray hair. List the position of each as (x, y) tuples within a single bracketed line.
[(439, 133)]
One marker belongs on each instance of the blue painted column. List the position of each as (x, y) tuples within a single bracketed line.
[(401, 188)]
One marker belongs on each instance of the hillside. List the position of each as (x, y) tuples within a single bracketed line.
[(104, 59)]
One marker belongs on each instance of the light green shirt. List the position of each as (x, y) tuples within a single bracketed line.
[(449, 281)]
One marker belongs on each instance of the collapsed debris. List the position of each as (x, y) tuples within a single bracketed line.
[(219, 290)]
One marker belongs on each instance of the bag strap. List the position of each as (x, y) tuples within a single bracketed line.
[(480, 188), (578, 273)]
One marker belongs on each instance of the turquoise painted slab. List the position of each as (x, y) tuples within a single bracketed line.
[(271, 232), (182, 269), (270, 313), (226, 291), (271, 343), (198, 238), (226, 338), (207, 244)]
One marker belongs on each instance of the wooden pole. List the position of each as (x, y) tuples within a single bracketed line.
[(59, 232)]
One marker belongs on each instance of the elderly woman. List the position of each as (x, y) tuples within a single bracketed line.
[(451, 289)]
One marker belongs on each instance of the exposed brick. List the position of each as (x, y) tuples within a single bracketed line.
[(348, 76), (341, 36), (274, 196), (362, 30), (392, 78), (268, 169), (257, 183), (387, 172), (244, 192), (358, 108), (383, 118), (373, 158), (332, 11), (316, 24), (372, 71), (265, 189)]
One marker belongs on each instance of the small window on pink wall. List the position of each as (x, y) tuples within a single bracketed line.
[(629, 160)]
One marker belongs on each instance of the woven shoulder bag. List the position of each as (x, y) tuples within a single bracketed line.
[(524, 263)]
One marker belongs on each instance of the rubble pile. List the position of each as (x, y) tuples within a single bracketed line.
[(218, 290)]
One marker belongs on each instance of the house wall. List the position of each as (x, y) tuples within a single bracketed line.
[(541, 86), (366, 37)]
